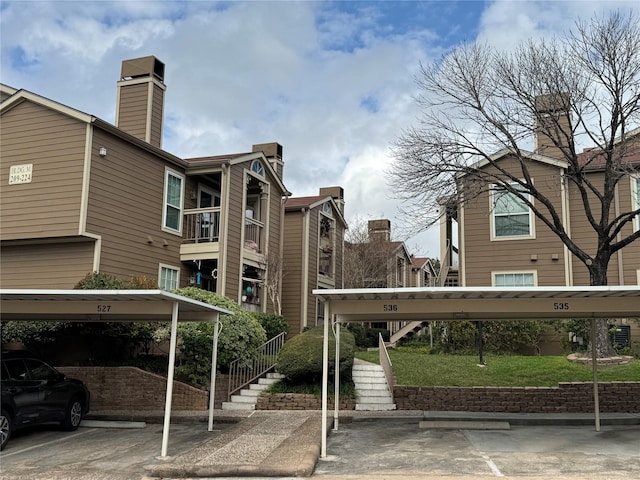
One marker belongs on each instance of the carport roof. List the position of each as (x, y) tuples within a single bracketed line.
[(102, 305), (482, 303)]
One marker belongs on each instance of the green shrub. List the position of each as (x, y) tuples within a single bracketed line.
[(273, 324), (366, 337), (300, 359), (240, 335)]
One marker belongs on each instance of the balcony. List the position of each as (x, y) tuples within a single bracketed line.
[(200, 233), (253, 235)]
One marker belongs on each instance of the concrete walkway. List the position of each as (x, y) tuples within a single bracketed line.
[(287, 443)]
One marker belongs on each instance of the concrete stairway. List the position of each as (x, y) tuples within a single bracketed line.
[(247, 398), (372, 391)]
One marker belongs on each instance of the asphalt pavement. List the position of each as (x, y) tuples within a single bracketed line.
[(395, 445)]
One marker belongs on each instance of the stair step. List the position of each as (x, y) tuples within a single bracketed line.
[(373, 393), (258, 387), (375, 407), (248, 392), (238, 406), (267, 381), (367, 368), (275, 375), (243, 399), (369, 380)]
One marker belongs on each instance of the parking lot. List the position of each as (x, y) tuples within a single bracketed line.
[(366, 448), (92, 453)]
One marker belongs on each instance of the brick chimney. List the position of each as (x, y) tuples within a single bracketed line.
[(337, 193), (140, 100), (380, 230), (553, 122), (273, 152)]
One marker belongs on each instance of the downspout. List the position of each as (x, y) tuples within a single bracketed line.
[(224, 209), (566, 221), (304, 310), (619, 237)]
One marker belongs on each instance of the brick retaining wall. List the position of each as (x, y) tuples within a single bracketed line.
[(618, 397), (125, 388), (296, 401)]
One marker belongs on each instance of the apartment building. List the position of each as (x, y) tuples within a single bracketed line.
[(312, 255), (81, 195)]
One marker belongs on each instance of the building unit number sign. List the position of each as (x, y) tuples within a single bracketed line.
[(20, 173)]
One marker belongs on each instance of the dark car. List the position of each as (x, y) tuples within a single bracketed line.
[(33, 393)]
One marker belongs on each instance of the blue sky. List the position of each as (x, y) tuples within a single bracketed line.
[(333, 82)]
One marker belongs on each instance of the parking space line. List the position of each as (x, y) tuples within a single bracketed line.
[(494, 468), (5, 455)]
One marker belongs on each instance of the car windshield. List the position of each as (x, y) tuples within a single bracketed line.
[(39, 370)]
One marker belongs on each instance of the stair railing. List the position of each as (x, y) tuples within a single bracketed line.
[(243, 371), (385, 362)]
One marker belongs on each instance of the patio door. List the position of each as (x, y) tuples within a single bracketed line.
[(209, 221)]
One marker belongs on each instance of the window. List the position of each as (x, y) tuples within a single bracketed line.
[(511, 216), (635, 194), (173, 195), (514, 279), (257, 167), (169, 277)]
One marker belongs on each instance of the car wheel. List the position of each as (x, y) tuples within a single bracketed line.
[(73, 417), (5, 428)]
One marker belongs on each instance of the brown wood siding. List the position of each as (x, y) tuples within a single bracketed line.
[(292, 271), (126, 192), (483, 256), (48, 265), (581, 229), (156, 117), (234, 233), (631, 253), (54, 144), (132, 117)]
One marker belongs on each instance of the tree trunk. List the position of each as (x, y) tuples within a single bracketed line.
[(602, 341)]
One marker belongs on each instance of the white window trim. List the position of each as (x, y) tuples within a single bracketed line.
[(167, 172), (492, 232), (638, 276), (635, 200), (168, 267), (515, 272)]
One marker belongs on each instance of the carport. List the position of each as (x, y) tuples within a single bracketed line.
[(468, 303), (118, 306)]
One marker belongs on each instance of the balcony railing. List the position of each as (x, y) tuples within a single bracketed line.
[(202, 225), (253, 233)]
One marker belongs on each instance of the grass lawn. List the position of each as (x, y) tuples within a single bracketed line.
[(423, 369)]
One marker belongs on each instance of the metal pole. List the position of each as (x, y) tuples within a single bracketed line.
[(172, 366), (594, 364), (481, 343), (325, 379), (214, 370), (336, 400)]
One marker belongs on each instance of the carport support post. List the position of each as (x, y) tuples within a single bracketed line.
[(325, 378), (214, 370), (336, 392), (172, 365), (594, 364)]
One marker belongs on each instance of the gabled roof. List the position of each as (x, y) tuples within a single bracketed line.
[(419, 262), (506, 152), (22, 95), (592, 160), (200, 165), (294, 204)]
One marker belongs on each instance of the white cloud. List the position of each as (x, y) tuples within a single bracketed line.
[(332, 82)]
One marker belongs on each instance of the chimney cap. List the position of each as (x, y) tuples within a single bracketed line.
[(148, 66)]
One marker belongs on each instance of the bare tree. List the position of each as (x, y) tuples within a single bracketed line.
[(273, 280), (581, 90), (366, 257)]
